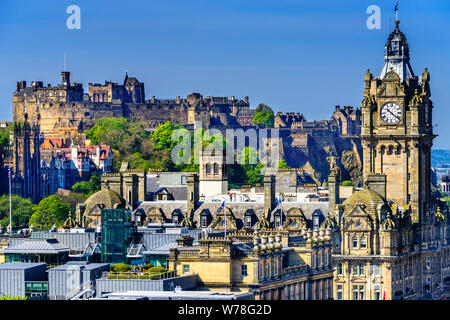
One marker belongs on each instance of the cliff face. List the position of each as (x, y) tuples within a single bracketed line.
[(319, 156)]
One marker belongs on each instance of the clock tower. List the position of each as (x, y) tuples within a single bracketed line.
[(397, 131)]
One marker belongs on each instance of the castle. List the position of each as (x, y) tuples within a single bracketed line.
[(65, 111)]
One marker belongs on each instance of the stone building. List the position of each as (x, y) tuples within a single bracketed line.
[(26, 178), (391, 238), (124, 190), (348, 120), (65, 111), (269, 263), (76, 163), (213, 175), (131, 91)]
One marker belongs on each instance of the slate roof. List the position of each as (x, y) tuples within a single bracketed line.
[(20, 265), (51, 246)]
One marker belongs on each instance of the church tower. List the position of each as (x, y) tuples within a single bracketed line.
[(397, 131)]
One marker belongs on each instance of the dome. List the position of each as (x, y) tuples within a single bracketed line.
[(396, 55), (106, 197), (365, 196)]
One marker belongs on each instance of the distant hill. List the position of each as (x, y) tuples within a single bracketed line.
[(440, 157)]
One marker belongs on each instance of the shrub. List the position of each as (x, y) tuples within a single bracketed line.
[(347, 183), (120, 267), (156, 269), (145, 267)]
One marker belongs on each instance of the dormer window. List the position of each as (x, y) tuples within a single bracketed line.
[(277, 221), (248, 221), (203, 221), (316, 221)]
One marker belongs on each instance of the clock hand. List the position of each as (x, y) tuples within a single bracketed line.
[(393, 114)]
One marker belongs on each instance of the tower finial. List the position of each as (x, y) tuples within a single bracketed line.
[(396, 13)]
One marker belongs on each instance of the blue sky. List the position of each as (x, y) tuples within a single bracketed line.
[(295, 55)]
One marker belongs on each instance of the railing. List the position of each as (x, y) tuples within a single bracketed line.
[(84, 286), (140, 275)]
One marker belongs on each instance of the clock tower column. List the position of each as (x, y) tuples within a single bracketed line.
[(397, 133)]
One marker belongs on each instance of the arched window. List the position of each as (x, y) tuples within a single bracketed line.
[(363, 242), (354, 243), (216, 168), (208, 168)]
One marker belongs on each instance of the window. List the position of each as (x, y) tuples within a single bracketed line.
[(277, 221), (377, 293), (428, 263), (316, 221), (355, 269), (376, 270), (248, 221), (186, 268), (203, 221), (358, 269), (208, 168), (224, 223), (362, 242), (244, 270), (175, 218), (339, 292), (216, 169), (339, 269), (358, 292), (354, 243), (361, 269)]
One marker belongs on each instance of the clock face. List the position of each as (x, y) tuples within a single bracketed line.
[(391, 113)]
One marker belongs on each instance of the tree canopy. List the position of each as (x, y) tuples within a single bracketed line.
[(264, 115), (88, 187), (22, 209), (50, 211)]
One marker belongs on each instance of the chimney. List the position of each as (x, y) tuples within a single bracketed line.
[(334, 181), (192, 181), (17, 86), (269, 193), (377, 183), (246, 100)]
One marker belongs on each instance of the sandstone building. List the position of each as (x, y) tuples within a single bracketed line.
[(392, 236)]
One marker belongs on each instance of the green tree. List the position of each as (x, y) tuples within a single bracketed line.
[(50, 211), (136, 161), (82, 187), (162, 136), (347, 183), (88, 187), (283, 164), (119, 133), (264, 115), (22, 209)]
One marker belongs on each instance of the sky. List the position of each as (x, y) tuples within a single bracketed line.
[(295, 55)]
